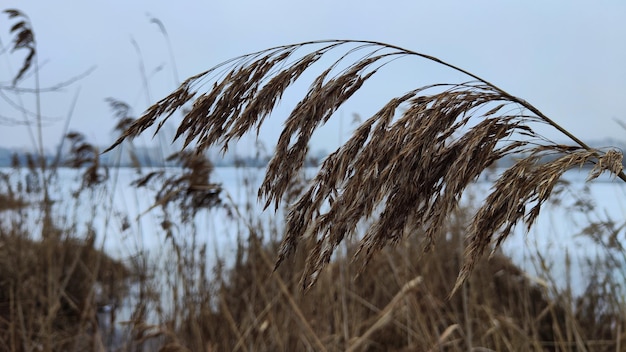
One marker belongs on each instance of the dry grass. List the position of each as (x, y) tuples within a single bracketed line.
[(55, 281), (405, 169), (398, 304), (402, 174), (48, 295), (190, 191)]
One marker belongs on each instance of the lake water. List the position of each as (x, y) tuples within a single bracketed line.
[(121, 204)]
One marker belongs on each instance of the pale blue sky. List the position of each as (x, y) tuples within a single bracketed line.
[(568, 58)]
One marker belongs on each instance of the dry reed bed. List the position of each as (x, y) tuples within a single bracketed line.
[(413, 166), (397, 303), (404, 170)]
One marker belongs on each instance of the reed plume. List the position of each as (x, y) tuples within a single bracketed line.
[(404, 168), (24, 39)]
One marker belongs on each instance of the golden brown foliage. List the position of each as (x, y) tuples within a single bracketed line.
[(405, 169), (48, 299), (397, 304)]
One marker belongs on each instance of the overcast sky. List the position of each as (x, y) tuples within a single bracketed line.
[(568, 58)]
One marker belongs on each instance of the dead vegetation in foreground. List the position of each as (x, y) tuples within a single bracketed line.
[(407, 165), (52, 296), (399, 303), (403, 173)]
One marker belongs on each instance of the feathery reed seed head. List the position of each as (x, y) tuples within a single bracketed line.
[(402, 171)]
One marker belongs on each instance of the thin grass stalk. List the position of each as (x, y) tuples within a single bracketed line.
[(319, 346), (618, 337), (467, 317), (385, 315), (284, 289), (170, 50), (267, 310), (233, 325), (343, 288)]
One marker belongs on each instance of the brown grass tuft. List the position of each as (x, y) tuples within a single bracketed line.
[(48, 299), (404, 170)]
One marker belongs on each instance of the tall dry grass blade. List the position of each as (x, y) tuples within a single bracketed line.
[(385, 315), (405, 170)]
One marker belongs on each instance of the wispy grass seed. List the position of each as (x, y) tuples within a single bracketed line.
[(406, 166)]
